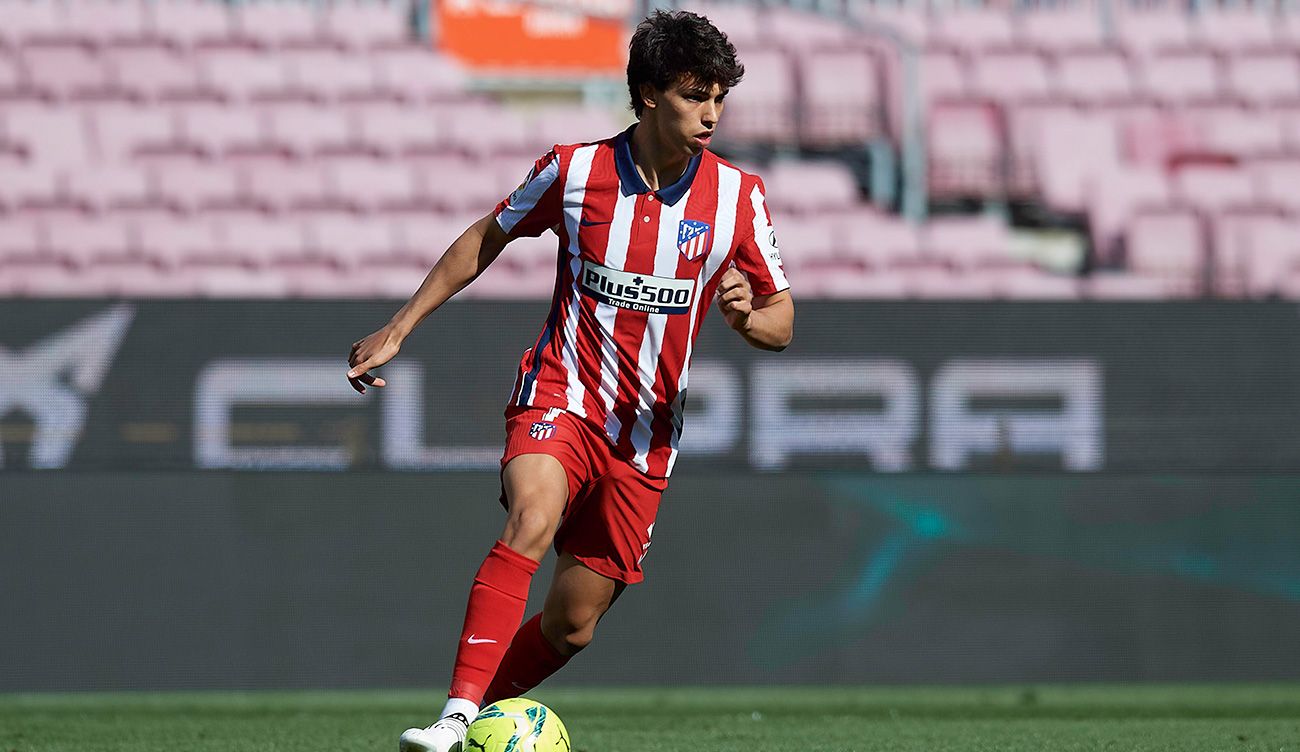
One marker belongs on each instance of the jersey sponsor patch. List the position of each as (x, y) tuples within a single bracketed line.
[(767, 244), (541, 430), (693, 238), (637, 292)]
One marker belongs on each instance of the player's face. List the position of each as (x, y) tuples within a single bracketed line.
[(689, 114)]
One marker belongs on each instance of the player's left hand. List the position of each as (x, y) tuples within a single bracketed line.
[(735, 298)]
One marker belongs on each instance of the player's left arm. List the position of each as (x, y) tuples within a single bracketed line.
[(765, 321)]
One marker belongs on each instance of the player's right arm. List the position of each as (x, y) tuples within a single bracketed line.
[(532, 209), (464, 260)]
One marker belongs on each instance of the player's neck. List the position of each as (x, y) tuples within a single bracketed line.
[(659, 165)]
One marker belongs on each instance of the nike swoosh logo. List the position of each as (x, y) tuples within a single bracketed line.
[(477, 640), (585, 223)]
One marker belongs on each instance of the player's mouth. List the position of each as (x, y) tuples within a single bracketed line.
[(703, 139)]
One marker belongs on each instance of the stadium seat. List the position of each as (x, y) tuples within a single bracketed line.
[(741, 22), (1236, 131), (151, 72), (1010, 75), (1093, 77), (1143, 31), (220, 128), (1181, 77), (240, 283), (972, 28), (1228, 29), (174, 242), (967, 156), (27, 185), (119, 130), (943, 75), (878, 242), (1168, 243), (242, 74), (288, 185), (1125, 286), (842, 98), (564, 125), (422, 239), (1112, 198), (417, 74), (876, 285), (797, 30), (401, 129), (28, 21), (1062, 27), (63, 70), (968, 242), (197, 186), (1212, 187), (193, 23), (374, 185), (112, 187), (86, 241), (762, 114), (942, 284), (1250, 252), (328, 74), (279, 24), (1033, 284), (21, 236), (1262, 79), (482, 130), (261, 241), (1071, 150), (805, 186), (304, 130), (1277, 181), (365, 25)]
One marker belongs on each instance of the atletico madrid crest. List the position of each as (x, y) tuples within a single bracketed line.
[(693, 238), (541, 430)]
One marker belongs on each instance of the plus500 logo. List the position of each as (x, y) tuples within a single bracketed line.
[(637, 292)]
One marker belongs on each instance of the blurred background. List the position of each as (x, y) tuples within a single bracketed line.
[(1040, 421)]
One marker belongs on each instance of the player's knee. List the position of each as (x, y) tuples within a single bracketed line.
[(529, 530), (569, 632)]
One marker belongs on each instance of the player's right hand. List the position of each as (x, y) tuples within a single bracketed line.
[(369, 353)]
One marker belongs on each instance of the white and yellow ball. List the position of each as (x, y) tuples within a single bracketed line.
[(516, 725)]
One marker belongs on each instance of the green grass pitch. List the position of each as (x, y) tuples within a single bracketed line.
[(1185, 718)]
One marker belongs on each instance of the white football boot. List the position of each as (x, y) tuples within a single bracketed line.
[(447, 735)]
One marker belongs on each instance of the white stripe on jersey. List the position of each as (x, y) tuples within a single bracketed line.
[(724, 229), (666, 257), (526, 197), (575, 189), (761, 232), (620, 236)]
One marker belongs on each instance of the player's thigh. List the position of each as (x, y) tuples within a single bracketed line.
[(536, 489), (577, 600)]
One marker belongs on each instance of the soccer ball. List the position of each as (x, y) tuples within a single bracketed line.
[(516, 725)]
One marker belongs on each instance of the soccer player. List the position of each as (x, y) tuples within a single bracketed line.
[(652, 227)]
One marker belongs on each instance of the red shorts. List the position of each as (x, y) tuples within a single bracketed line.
[(611, 510)]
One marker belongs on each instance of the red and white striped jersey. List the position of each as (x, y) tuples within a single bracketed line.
[(636, 273)]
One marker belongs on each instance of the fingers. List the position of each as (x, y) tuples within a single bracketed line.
[(359, 377)]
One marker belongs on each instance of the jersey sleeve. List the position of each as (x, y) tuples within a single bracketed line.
[(535, 206), (758, 256)]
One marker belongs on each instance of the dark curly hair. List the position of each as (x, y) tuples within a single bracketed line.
[(669, 45)]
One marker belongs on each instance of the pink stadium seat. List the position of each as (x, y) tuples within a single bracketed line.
[(418, 74), (1033, 284), (1010, 75), (193, 22), (1181, 77), (875, 285), (1277, 181), (21, 236), (1252, 250), (966, 150), (742, 23), (968, 242), (909, 21), (1264, 78), (1125, 286), (943, 75), (348, 240), (87, 240), (1025, 125), (941, 284), (1113, 198), (307, 129), (457, 185), (402, 128), (277, 24), (374, 185), (112, 187), (243, 74), (1071, 150), (1213, 187), (423, 239), (972, 28), (333, 75), (1229, 29), (805, 186), (1236, 131), (798, 30), (151, 71), (25, 21), (762, 114), (64, 70), (561, 125), (365, 25), (1063, 27), (1094, 76), (1168, 243), (195, 186), (879, 242), (26, 185), (174, 242), (809, 242), (1153, 139), (259, 241), (532, 255), (53, 281), (1144, 31), (105, 22), (11, 76), (241, 283), (53, 136), (483, 130), (120, 129), (219, 128), (287, 185), (843, 102), (390, 282)]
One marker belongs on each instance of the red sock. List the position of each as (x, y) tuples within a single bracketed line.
[(496, 606), (527, 663)]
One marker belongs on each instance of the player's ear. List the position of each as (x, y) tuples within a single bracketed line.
[(649, 95)]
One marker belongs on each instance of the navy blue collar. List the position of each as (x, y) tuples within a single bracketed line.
[(631, 182)]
